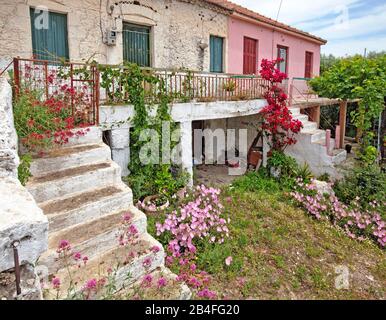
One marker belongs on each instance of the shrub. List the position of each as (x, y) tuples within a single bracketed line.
[(357, 223), (364, 185)]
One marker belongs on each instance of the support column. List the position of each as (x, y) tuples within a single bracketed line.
[(187, 149), (342, 122)]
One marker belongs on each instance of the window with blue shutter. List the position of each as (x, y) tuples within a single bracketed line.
[(216, 54), (136, 44), (49, 41)]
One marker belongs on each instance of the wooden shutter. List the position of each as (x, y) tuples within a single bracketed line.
[(136, 44), (308, 64), (216, 54), (52, 43), (250, 56)]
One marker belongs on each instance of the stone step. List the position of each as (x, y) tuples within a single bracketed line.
[(339, 156), (91, 238), (309, 126), (83, 206), (174, 289), (82, 178), (126, 262), (317, 135), (70, 157), (301, 117), (92, 136), (322, 142), (294, 111)]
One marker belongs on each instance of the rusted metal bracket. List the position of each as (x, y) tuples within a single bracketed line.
[(15, 245)]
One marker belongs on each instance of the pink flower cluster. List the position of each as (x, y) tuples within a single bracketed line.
[(357, 224), (198, 219)]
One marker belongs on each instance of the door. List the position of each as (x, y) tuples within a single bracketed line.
[(216, 54), (50, 42), (282, 53), (250, 56), (308, 66), (136, 44)]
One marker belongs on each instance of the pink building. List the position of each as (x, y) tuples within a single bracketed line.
[(253, 37)]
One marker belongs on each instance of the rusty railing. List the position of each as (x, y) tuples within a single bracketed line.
[(187, 86), (76, 84)]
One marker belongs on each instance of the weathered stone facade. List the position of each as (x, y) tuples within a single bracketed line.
[(21, 220), (179, 29)]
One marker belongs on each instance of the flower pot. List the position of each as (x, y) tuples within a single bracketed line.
[(149, 205), (348, 148), (275, 172)]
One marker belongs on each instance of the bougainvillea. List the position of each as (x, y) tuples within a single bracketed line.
[(357, 223), (50, 112), (278, 123)]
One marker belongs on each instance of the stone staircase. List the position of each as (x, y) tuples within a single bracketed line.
[(311, 147), (80, 190)]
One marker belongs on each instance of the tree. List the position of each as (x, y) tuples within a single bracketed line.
[(356, 78)]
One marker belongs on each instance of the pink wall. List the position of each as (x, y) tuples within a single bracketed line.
[(297, 47)]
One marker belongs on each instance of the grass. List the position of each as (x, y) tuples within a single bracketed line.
[(279, 252)]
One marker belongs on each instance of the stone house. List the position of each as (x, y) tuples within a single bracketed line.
[(215, 37)]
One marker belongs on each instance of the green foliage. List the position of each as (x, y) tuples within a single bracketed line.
[(23, 171), (369, 156), (356, 78), (304, 172), (287, 165), (145, 179), (367, 183), (256, 181)]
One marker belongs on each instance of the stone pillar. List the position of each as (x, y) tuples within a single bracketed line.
[(120, 148), (187, 149)]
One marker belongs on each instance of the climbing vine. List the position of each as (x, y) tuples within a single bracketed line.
[(132, 84), (357, 78)]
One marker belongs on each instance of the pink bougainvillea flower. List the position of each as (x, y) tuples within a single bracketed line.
[(228, 261)]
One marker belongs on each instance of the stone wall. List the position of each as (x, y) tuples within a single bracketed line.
[(21, 220), (177, 29)]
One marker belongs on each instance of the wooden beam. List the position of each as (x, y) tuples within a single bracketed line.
[(342, 122)]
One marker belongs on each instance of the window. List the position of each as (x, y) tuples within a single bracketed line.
[(282, 52), (49, 41), (308, 65), (250, 56), (216, 54), (136, 44)]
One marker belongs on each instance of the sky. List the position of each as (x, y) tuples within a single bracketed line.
[(350, 26)]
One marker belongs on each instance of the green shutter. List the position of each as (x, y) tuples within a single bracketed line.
[(51, 43), (136, 44), (216, 54)]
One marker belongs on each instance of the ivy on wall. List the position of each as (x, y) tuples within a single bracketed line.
[(133, 84)]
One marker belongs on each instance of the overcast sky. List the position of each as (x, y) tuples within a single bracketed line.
[(350, 26)]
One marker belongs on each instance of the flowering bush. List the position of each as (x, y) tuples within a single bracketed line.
[(47, 111), (195, 221), (357, 223), (278, 123)]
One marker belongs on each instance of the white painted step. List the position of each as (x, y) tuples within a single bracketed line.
[(339, 156), (174, 289), (309, 126), (93, 136), (294, 111), (130, 268), (322, 142), (92, 238), (318, 135), (301, 117), (70, 157), (68, 181), (83, 206)]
